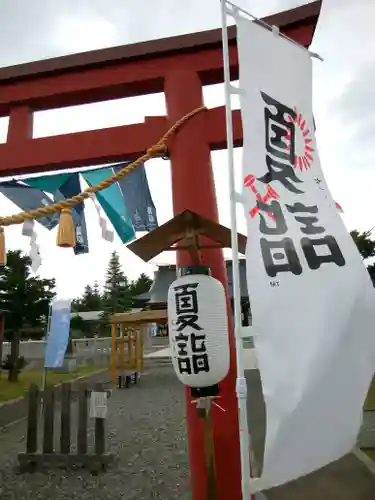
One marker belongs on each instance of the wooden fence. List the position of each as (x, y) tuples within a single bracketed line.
[(44, 407)]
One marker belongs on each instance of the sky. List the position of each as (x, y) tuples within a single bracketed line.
[(343, 103)]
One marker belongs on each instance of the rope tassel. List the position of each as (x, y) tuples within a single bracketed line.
[(66, 235), (3, 252)]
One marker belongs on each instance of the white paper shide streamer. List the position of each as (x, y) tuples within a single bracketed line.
[(107, 233), (311, 298), (28, 229)]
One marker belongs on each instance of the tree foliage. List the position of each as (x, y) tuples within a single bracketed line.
[(91, 299), (141, 285), (117, 296), (366, 247), (25, 298)]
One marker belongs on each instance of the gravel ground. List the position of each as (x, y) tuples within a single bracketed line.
[(146, 432)]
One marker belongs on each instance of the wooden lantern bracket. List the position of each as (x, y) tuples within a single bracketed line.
[(189, 232)]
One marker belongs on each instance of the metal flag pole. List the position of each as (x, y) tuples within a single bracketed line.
[(44, 380), (241, 386)]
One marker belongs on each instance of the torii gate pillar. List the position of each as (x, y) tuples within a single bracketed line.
[(194, 189)]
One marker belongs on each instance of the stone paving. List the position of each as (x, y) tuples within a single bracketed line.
[(146, 433)]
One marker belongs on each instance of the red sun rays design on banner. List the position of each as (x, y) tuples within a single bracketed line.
[(250, 182), (303, 152)]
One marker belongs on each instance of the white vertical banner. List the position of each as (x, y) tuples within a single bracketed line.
[(312, 301)]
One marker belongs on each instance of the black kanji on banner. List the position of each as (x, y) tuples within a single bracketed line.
[(192, 357), (277, 223), (307, 220), (314, 259), (280, 152), (283, 259), (281, 255)]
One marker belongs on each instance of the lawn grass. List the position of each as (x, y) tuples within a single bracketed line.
[(14, 390), (370, 401), (370, 454)]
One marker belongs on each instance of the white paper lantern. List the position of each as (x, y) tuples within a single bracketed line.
[(198, 330)]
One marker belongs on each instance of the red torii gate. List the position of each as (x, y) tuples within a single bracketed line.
[(179, 67)]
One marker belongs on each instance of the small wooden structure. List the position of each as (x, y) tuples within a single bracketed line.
[(128, 334), (45, 404), (187, 231)]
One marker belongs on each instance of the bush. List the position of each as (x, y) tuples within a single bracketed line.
[(20, 364)]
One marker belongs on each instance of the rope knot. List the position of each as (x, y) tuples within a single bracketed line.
[(158, 150)]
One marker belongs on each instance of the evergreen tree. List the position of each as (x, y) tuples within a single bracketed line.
[(366, 247), (117, 295), (91, 299), (96, 294), (26, 300), (141, 285)]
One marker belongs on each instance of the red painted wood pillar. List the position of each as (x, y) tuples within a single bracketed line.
[(193, 188), (20, 126)]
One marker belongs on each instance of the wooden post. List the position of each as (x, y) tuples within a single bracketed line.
[(210, 452), (32, 420), (122, 349), (65, 418), (49, 415), (136, 348), (114, 354), (141, 340), (82, 422), (130, 350), (99, 429)]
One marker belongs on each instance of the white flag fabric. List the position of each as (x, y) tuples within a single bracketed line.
[(312, 301)]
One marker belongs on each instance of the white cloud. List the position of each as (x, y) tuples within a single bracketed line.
[(343, 104), (80, 35)]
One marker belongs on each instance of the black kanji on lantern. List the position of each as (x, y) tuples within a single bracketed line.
[(280, 257), (280, 144), (184, 365), (181, 342), (186, 298), (192, 357), (198, 343), (200, 363), (188, 320)]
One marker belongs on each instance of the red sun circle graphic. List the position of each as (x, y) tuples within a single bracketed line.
[(303, 151)]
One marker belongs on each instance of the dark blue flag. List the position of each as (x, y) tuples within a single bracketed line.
[(137, 196), (28, 198)]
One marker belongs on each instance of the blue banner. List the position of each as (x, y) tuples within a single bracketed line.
[(27, 198), (112, 201), (137, 196), (58, 334)]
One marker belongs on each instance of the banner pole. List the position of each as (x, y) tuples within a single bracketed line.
[(241, 386), (44, 379)]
